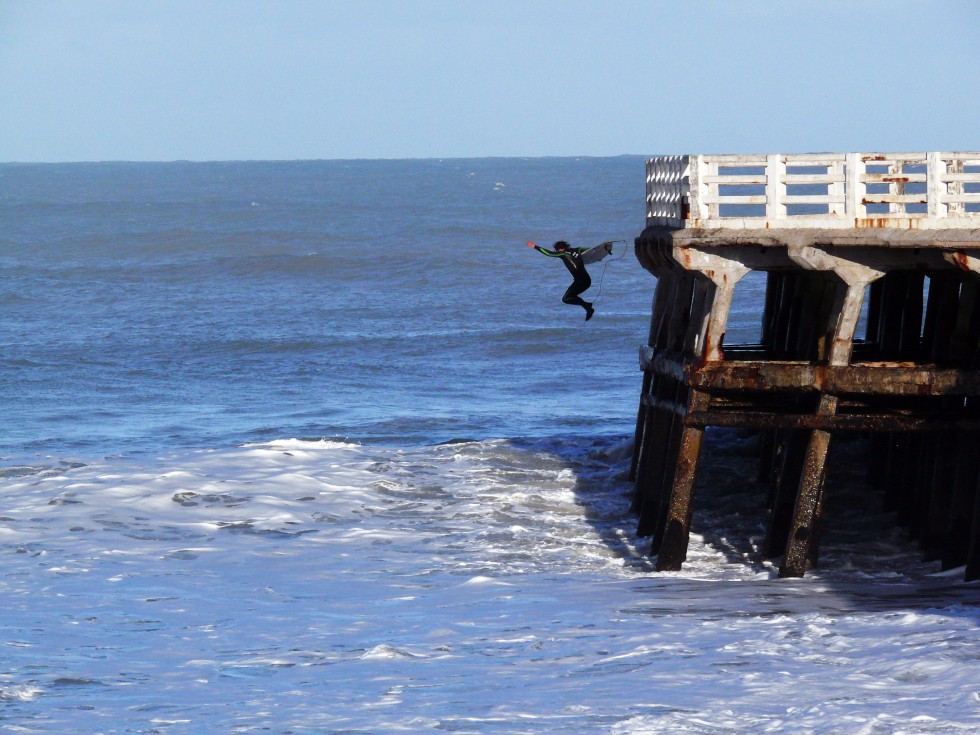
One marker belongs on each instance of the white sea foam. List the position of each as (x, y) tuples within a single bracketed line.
[(19, 693), (480, 587)]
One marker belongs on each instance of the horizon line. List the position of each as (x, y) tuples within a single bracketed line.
[(311, 160)]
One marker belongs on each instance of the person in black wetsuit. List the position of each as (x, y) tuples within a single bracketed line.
[(572, 258)]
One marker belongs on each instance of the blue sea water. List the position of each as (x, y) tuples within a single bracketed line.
[(153, 305), (314, 447)]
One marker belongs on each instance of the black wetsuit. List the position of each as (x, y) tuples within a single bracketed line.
[(581, 281)]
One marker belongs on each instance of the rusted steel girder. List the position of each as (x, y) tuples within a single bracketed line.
[(884, 379), (864, 422), (877, 378)]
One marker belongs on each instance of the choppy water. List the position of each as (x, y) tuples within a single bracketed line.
[(313, 447), (202, 304)]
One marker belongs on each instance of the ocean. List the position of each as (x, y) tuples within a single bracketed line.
[(314, 447)]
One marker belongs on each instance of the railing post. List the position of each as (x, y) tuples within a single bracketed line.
[(836, 208), (698, 189), (935, 168), (955, 166), (708, 192), (775, 174), (896, 188), (853, 206)]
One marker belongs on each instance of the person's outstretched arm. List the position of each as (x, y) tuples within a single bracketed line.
[(544, 251)]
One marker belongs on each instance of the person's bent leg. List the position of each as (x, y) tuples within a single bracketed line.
[(572, 297)]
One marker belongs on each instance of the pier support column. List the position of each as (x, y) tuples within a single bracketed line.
[(801, 545), (660, 422), (709, 321), (964, 532), (661, 300), (724, 273), (676, 532)]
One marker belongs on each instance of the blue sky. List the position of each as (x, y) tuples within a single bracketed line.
[(297, 79)]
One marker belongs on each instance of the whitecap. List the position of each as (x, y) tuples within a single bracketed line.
[(480, 580), (384, 652), (25, 693)]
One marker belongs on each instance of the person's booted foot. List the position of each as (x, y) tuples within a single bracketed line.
[(589, 311)]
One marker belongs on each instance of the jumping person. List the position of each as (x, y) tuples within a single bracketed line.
[(572, 258)]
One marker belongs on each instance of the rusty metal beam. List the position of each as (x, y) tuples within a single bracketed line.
[(866, 422), (869, 378), (882, 379)]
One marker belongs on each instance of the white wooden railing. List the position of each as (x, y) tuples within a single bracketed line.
[(823, 190)]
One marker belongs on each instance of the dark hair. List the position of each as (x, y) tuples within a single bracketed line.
[(562, 245)]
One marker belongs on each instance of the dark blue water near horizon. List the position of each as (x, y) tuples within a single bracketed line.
[(147, 306)]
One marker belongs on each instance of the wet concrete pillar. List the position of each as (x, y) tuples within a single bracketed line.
[(803, 533)]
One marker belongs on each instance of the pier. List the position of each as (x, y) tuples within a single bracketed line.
[(870, 325)]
